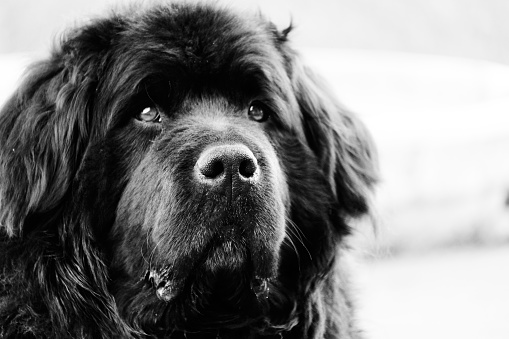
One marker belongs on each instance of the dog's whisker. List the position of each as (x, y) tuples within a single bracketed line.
[(295, 231), (147, 261), (152, 253), (288, 239)]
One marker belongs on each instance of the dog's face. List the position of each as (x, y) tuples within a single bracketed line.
[(202, 199), (211, 171)]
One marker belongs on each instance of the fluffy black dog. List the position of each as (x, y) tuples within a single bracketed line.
[(176, 172)]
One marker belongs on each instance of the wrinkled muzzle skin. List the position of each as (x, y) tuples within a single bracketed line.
[(205, 240)]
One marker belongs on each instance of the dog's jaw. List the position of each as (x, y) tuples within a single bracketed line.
[(220, 263)]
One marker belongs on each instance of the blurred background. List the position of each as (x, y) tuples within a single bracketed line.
[(430, 78)]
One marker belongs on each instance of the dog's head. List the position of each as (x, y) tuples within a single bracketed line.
[(188, 169)]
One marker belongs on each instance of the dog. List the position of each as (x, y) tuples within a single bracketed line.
[(176, 171)]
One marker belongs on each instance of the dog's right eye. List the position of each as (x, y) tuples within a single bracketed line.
[(258, 112), (149, 114)]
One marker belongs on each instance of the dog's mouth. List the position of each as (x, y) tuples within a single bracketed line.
[(165, 287), (226, 268)]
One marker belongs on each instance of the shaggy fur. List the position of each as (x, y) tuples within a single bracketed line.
[(176, 172)]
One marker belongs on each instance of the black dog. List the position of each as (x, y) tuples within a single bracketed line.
[(176, 172)]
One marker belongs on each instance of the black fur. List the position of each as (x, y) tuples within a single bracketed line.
[(106, 229)]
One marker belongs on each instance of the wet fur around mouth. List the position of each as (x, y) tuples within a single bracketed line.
[(176, 171)]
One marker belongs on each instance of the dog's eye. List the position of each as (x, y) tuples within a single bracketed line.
[(149, 114), (258, 112)]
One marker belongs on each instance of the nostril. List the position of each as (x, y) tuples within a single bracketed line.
[(247, 168), (212, 168), (223, 164)]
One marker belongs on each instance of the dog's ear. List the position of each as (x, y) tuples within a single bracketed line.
[(341, 142), (45, 127)]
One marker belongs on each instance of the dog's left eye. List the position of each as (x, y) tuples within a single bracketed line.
[(149, 114), (258, 112)]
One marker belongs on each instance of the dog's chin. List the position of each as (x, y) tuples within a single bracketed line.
[(225, 273), (220, 291)]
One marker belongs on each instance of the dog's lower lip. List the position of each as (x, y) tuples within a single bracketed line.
[(260, 287), (165, 288), (166, 291)]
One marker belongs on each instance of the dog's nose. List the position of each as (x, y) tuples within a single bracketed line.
[(227, 164)]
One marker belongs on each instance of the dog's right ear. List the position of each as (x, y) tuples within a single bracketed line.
[(46, 124), (45, 129)]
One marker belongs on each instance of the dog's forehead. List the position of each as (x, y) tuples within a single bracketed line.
[(189, 50), (205, 39)]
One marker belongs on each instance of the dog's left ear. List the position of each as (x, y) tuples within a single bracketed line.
[(340, 141)]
